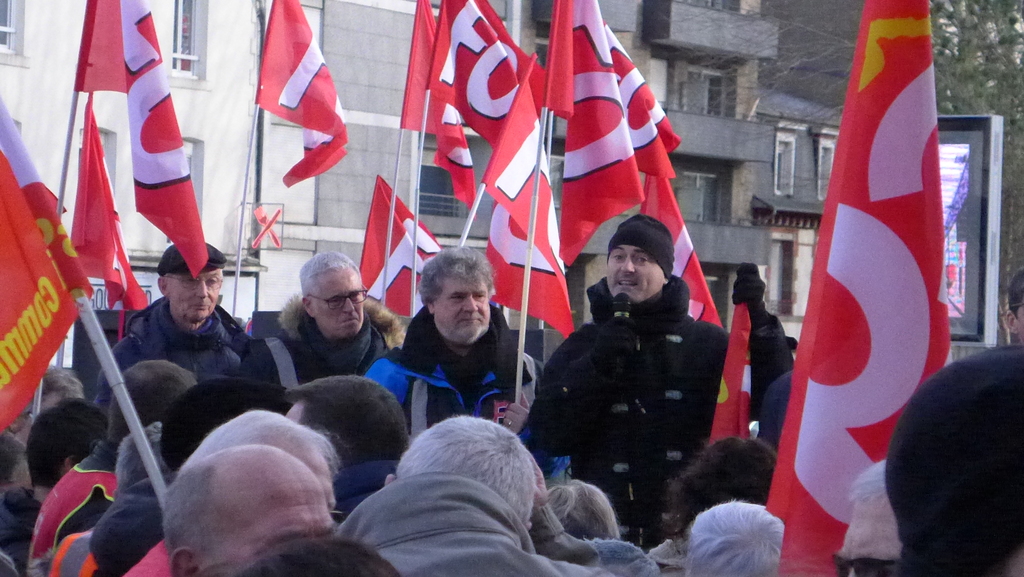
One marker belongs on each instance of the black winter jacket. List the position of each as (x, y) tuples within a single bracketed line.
[(18, 512), (629, 432), (152, 335)]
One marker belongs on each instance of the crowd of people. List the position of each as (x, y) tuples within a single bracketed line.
[(354, 444)]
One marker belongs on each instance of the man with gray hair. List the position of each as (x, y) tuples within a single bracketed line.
[(735, 539), (332, 329), (459, 355), (872, 544), (460, 505)]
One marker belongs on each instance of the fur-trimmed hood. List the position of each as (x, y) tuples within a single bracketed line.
[(387, 323)]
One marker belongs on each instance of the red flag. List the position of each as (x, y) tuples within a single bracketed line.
[(732, 416), (96, 232), (418, 77), (43, 205), (122, 54), (660, 202), (400, 253), (600, 175), (875, 325), (101, 54), (509, 175), (453, 150), (558, 92), (296, 86)]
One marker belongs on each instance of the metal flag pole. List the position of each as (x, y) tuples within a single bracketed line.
[(531, 239), (124, 401), (241, 210), (472, 214), (391, 219), (67, 154), (416, 206)]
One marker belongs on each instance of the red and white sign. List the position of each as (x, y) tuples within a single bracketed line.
[(876, 325), (399, 255), (296, 86)]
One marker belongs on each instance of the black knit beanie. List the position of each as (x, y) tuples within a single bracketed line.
[(955, 474), (651, 236)]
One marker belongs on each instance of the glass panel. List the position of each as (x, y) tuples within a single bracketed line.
[(825, 170), (184, 37), (698, 196), (784, 167), (437, 196)]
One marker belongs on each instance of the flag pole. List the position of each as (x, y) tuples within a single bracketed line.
[(531, 234), (472, 213), (391, 219), (124, 401), (67, 155), (241, 209), (416, 206)]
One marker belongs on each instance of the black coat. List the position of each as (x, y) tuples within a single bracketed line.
[(18, 512), (630, 431)]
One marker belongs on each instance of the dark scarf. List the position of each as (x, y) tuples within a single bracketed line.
[(658, 315), (495, 351), (346, 357)]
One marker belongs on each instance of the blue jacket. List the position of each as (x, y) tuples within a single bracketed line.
[(216, 350)]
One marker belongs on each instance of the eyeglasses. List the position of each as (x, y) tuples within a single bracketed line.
[(864, 567), (338, 301), (211, 284)]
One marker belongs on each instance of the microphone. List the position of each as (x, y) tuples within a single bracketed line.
[(621, 306)]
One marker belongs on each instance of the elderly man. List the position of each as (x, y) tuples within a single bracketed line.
[(871, 545), (631, 397), (1015, 308), (459, 356), (185, 326), (461, 505), (735, 539), (226, 509), (332, 330)]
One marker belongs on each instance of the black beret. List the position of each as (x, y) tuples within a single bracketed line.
[(173, 263)]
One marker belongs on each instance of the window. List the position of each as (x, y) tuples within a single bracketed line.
[(698, 196), (658, 79), (733, 5), (780, 278), (8, 28), (826, 153), (109, 141), (785, 160), (703, 92), (557, 169), (189, 38), (194, 157), (437, 196)]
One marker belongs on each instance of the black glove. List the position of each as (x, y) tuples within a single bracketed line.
[(749, 288), (616, 340)]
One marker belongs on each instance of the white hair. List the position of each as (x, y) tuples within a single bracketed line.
[(477, 449), (735, 539), (129, 468), (266, 428), (870, 484), (321, 263)]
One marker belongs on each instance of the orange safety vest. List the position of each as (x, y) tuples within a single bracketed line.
[(73, 558)]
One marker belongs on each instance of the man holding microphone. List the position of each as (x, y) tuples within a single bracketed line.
[(631, 397)]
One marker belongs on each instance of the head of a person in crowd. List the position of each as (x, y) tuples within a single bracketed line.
[(640, 258), (227, 508), (456, 287), (152, 386), (480, 450), (320, 557), (731, 469), (210, 404), (313, 449), (1015, 308), (61, 437), (362, 418), (735, 539), (13, 463), (333, 294), (956, 467), (871, 545), (129, 468), (584, 510), (192, 299), (58, 384)]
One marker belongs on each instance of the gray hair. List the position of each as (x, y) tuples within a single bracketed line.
[(130, 468), (584, 510), (322, 263), (477, 449), (735, 539), (457, 263), (870, 484), (63, 382), (267, 428)]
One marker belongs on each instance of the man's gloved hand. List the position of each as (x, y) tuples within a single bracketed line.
[(616, 340), (749, 288)]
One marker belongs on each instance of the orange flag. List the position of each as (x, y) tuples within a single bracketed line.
[(732, 417)]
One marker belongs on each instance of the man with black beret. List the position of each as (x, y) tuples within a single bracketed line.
[(185, 326), (631, 397)]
